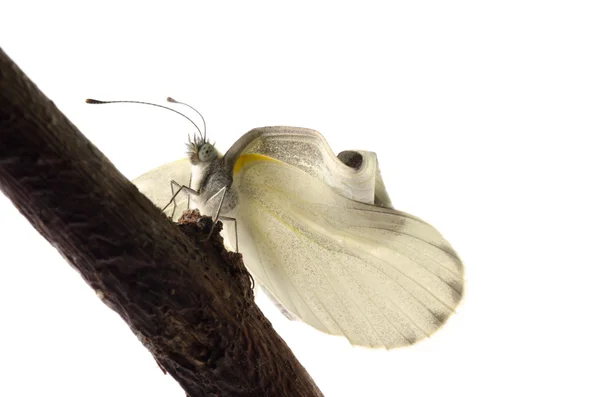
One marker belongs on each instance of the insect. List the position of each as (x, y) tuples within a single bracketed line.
[(319, 233)]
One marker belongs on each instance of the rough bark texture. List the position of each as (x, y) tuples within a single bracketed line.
[(190, 303)]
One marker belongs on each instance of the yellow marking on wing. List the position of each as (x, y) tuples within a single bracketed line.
[(246, 159)]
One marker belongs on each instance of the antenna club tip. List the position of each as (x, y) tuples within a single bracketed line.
[(93, 101), (169, 99)]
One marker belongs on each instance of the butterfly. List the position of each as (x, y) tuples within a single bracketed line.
[(319, 233)]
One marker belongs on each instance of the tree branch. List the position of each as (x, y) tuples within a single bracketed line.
[(190, 303)]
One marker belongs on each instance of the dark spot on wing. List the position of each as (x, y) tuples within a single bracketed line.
[(411, 339), (457, 286), (440, 316), (449, 250), (351, 158)]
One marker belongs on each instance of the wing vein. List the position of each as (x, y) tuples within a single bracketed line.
[(274, 216), (288, 277)]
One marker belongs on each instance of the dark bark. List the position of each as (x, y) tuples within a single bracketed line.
[(190, 303)]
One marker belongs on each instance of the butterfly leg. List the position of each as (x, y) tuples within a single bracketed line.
[(176, 188), (216, 217), (230, 219), (226, 218), (174, 194), (187, 190), (189, 197)]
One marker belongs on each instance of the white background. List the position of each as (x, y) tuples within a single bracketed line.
[(484, 118)]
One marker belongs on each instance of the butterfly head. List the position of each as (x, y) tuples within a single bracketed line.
[(200, 151)]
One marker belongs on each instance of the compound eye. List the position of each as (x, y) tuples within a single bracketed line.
[(206, 152)]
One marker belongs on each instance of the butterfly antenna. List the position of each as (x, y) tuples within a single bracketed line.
[(169, 99), (97, 102)]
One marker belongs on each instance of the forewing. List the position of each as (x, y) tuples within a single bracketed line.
[(307, 150), (156, 185), (378, 276)]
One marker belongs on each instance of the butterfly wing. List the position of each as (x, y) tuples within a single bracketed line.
[(355, 159), (156, 184), (307, 150), (380, 277)]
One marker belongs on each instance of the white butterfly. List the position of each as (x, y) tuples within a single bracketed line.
[(320, 235)]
